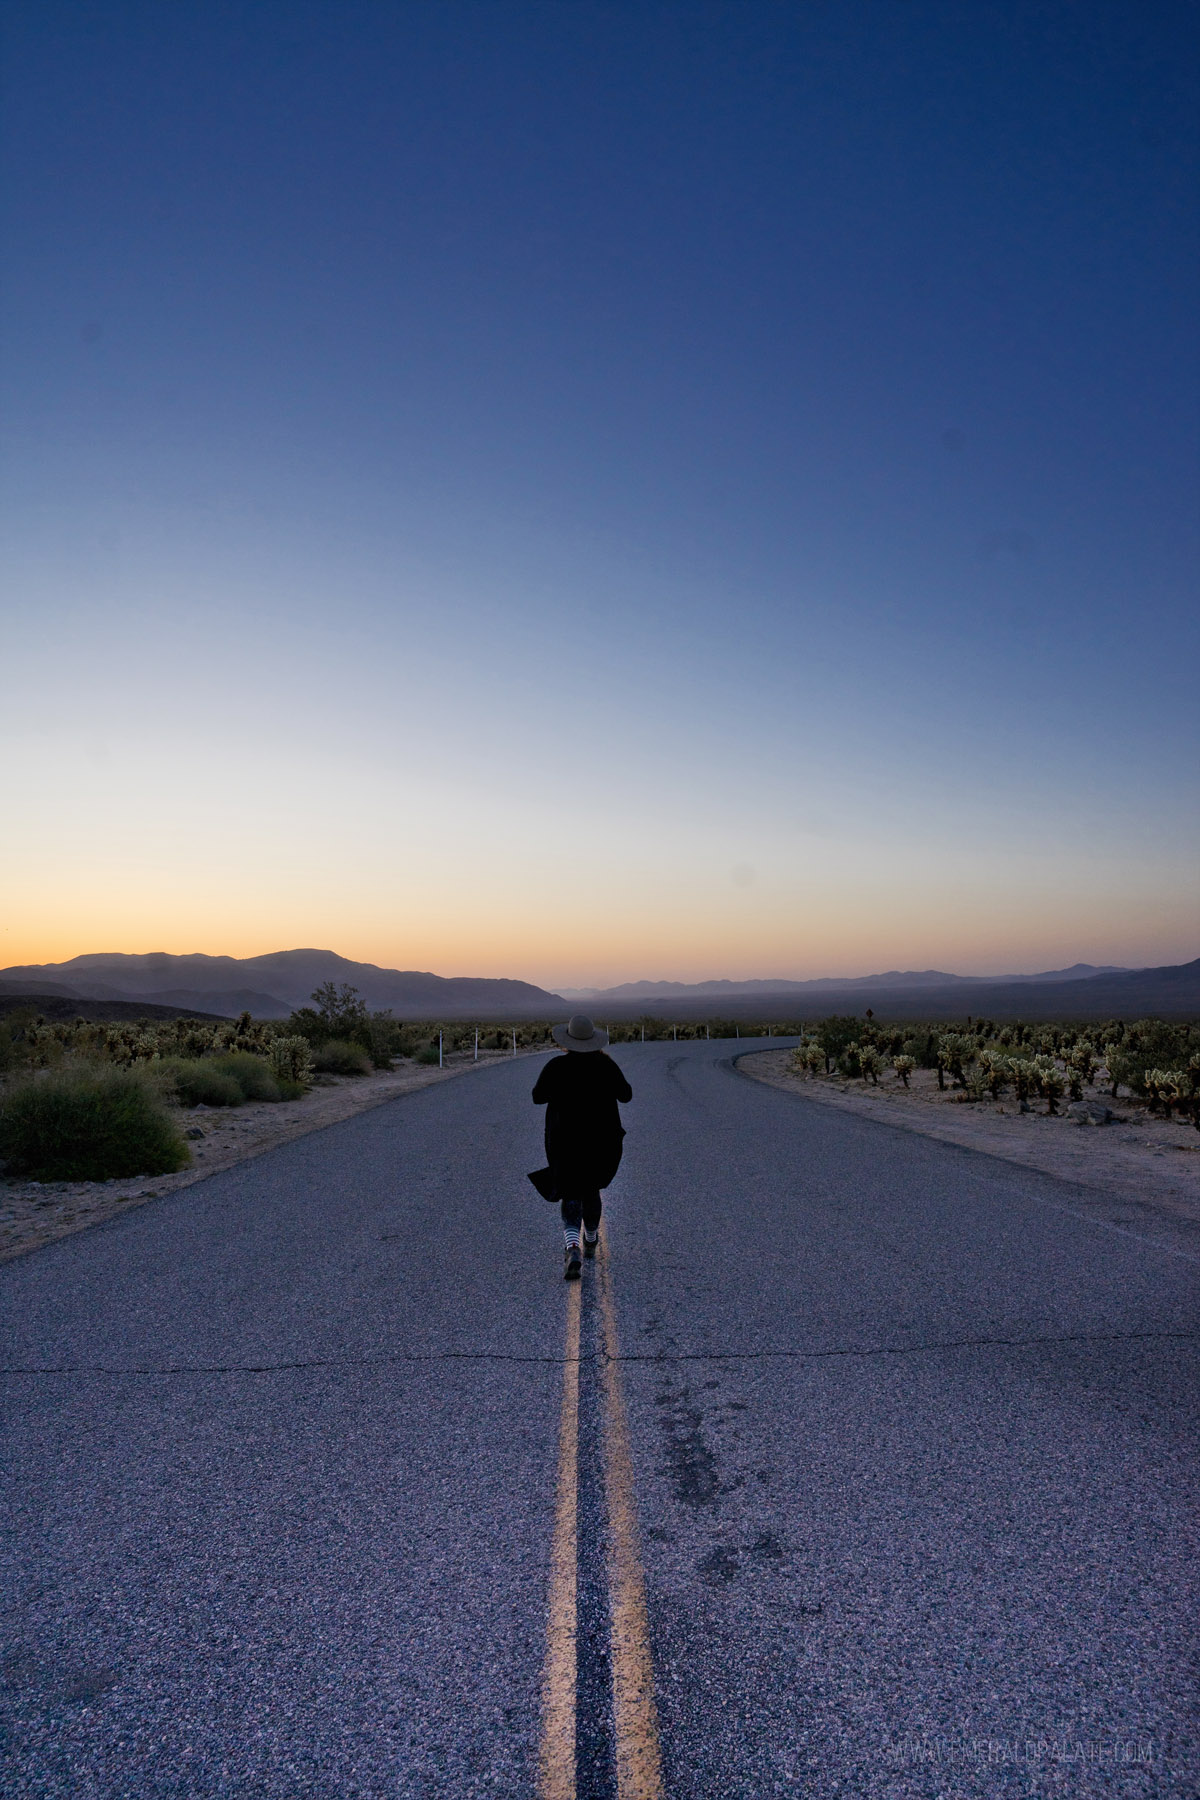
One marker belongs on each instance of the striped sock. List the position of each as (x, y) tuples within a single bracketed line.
[(571, 1233)]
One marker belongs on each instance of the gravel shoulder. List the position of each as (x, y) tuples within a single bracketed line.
[(1137, 1159), (36, 1213)]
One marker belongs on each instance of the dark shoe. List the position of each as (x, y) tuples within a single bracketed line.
[(589, 1244), (572, 1263)]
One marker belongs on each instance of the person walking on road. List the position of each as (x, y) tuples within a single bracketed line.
[(584, 1134)]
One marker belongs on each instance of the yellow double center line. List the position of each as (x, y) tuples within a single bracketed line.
[(635, 1716), (557, 1761)]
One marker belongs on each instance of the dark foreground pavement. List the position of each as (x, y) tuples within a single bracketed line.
[(913, 1445)]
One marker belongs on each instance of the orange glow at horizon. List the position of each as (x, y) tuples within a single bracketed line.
[(598, 944)]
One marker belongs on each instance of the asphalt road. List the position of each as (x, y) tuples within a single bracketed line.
[(912, 1448)]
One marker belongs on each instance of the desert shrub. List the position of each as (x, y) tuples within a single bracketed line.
[(904, 1066), (93, 1125), (428, 1055), (14, 1052), (341, 1016), (835, 1035), (382, 1037), (227, 1080), (340, 1057), (199, 1081), (252, 1074), (340, 1009), (1152, 1044), (305, 1022)]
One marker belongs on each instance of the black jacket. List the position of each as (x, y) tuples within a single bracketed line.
[(583, 1125)]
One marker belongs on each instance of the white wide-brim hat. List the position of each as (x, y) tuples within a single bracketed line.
[(579, 1034)]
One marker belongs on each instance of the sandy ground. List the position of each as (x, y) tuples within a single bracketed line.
[(1139, 1160), (35, 1213)]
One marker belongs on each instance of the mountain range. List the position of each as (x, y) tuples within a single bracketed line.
[(893, 978), (272, 986), (1169, 992)]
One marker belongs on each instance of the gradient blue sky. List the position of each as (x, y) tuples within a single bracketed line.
[(597, 491)]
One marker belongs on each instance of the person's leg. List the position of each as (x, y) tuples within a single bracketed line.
[(591, 1207), (572, 1211)]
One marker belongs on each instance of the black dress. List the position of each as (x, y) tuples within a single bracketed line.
[(584, 1134)]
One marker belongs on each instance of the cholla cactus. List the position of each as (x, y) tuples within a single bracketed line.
[(1114, 1060), (904, 1066), (1052, 1084), (1083, 1058), (996, 1071), (870, 1062), (956, 1053), (291, 1060), (1166, 1088), (1025, 1077)]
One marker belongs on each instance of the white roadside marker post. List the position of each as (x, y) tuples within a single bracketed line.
[(477, 1043), (674, 1035), (439, 1049), (514, 1032), (707, 1034)]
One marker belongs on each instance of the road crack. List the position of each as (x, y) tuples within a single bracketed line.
[(626, 1356)]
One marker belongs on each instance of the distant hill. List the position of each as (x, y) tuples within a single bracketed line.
[(56, 1006), (271, 986), (905, 979), (1170, 992)]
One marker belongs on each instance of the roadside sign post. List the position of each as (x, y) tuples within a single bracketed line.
[(439, 1049)]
